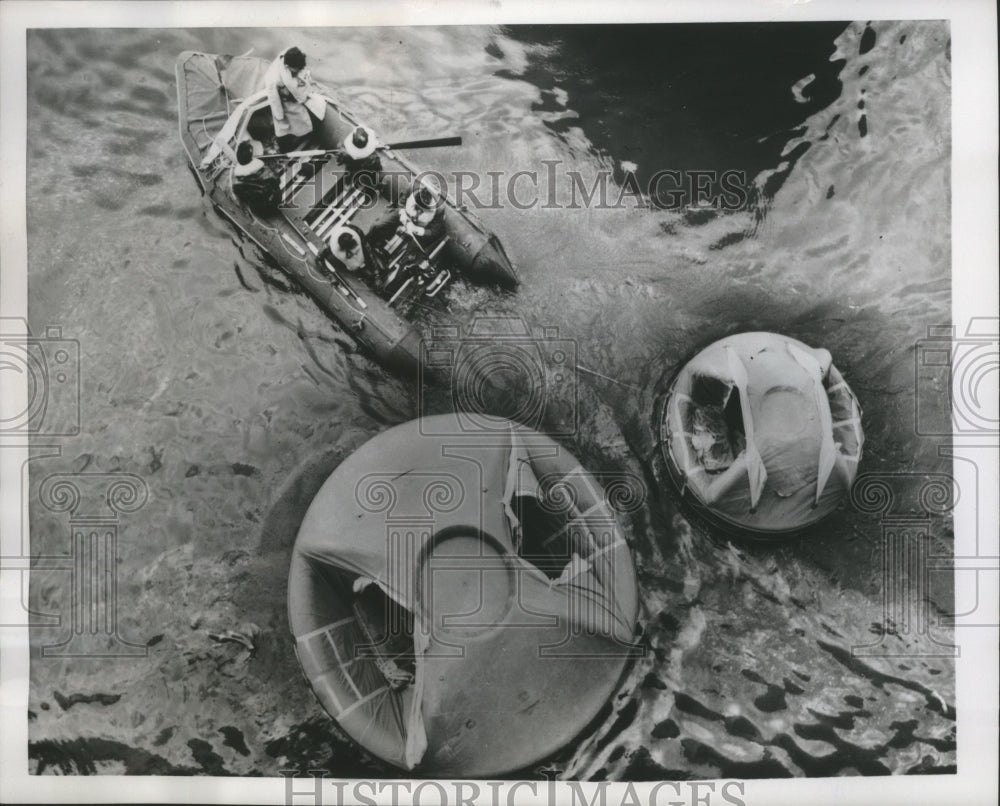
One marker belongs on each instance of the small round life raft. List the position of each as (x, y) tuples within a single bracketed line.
[(762, 433), (462, 600)]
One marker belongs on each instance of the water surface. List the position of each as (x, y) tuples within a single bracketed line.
[(205, 373)]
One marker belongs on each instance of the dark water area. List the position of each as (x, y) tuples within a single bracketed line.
[(209, 376), (640, 91)]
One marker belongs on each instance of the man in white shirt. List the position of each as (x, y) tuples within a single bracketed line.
[(288, 86)]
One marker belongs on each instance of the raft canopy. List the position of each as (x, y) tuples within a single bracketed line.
[(481, 642), (215, 88), (227, 103), (764, 431)]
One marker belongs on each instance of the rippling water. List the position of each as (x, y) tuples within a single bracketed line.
[(233, 396)]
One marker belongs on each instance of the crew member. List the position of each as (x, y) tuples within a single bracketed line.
[(254, 182), (288, 88), (420, 219), (358, 153), (348, 249), (345, 247)]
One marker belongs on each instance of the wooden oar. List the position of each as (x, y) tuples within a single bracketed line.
[(432, 143)]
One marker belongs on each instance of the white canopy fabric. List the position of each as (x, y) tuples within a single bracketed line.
[(510, 664), (786, 415)]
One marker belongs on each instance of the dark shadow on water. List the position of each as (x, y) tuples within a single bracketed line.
[(683, 97), (281, 525)]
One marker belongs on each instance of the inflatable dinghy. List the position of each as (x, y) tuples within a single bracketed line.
[(762, 433), (465, 605), (222, 102)]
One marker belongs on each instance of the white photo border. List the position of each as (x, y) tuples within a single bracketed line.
[(975, 257)]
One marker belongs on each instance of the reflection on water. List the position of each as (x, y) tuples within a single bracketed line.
[(228, 391), (693, 97)]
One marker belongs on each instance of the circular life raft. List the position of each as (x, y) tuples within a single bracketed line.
[(463, 602), (762, 433)]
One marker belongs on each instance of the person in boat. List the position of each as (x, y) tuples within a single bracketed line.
[(358, 154), (254, 182), (420, 219), (348, 249), (288, 86)]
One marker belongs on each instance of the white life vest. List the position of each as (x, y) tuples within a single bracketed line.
[(419, 216), (249, 169), (356, 153)]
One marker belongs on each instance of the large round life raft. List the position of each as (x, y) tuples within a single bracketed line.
[(463, 602), (762, 433)]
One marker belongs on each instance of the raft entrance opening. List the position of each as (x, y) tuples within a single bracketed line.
[(544, 541), (716, 423), (386, 627)]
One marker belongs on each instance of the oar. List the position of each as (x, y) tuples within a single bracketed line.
[(431, 143), (291, 154)]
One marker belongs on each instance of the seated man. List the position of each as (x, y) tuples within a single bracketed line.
[(347, 249), (254, 183), (358, 153), (288, 89), (421, 220)]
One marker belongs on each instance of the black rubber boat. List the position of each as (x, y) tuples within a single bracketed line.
[(221, 102)]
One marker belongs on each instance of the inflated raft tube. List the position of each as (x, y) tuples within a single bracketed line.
[(762, 433), (463, 602)]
